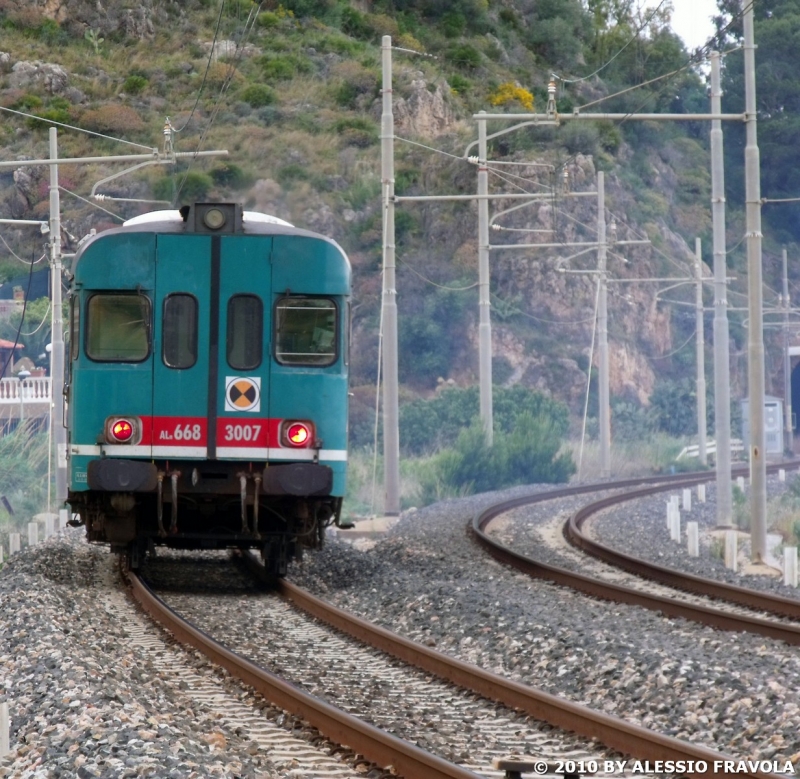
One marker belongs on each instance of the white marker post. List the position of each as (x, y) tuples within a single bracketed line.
[(675, 527), (731, 552), (790, 566), (13, 543), (693, 537), (701, 493), (4, 730)]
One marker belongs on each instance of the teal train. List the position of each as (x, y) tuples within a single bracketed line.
[(207, 384)]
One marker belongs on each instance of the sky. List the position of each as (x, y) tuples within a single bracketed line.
[(691, 21)]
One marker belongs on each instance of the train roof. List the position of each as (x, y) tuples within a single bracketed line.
[(175, 221), (249, 219)]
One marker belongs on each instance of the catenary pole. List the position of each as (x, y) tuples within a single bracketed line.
[(484, 326), (701, 362), (391, 413), (722, 371), (57, 421), (755, 347), (788, 442), (604, 415)]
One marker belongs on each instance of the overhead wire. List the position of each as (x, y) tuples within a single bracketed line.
[(208, 67), (433, 283), (694, 59), (232, 68), (72, 127), (16, 256), (21, 322), (633, 38)]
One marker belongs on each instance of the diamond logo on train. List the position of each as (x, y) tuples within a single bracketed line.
[(242, 393)]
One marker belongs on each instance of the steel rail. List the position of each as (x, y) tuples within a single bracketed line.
[(598, 588), (614, 732), (730, 593), (374, 744), (616, 593)]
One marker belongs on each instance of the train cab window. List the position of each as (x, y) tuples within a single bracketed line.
[(305, 331), (245, 332), (179, 331), (118, 327)]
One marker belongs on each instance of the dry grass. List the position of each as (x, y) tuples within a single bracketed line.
[(628, 458)]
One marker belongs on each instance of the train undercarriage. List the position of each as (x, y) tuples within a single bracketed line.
[(279, 510)]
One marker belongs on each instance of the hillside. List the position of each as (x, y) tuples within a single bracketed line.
[(292, 91)]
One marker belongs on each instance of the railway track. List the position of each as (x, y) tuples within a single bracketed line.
[(406, 759), (759, 603)]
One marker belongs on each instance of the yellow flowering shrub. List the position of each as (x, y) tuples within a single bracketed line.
[(509, 91)]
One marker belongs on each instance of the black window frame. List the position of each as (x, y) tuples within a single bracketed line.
[(336, 332), (147, 325), (164, 330), (259, 352), (74, 327)]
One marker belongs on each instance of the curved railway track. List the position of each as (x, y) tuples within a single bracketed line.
[(406, 759), (674, 607)]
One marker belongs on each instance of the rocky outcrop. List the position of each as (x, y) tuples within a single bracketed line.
[(424, 112), (52, 78)]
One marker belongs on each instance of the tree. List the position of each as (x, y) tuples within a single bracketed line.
[(34, 331)]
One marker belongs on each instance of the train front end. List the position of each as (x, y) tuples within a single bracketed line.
[(207, 385)]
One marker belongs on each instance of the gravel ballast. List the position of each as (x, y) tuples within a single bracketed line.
[(730, 692), (84, 702)]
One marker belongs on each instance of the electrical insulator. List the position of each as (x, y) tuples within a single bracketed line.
[(612, 231), (551, 97), (168, 135), (565, 180)]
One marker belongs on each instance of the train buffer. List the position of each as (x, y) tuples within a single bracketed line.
[(515, 767)]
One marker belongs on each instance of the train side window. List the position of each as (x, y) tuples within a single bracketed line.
[(74, 327), (118, 327), (179, 338), (305, 331), (245, 332)]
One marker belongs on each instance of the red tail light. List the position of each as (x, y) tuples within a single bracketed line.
[(123, 430), (297, 434)]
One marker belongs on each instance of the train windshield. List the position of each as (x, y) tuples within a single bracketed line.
[(305, 331), (117, 327)]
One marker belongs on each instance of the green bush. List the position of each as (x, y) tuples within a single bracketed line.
[(526, 455), (229, 175), (356, 24), (23, 474), (289, 174), (356, 132), (463, 55), (283, 67), (427, 425), (258, 95), (135, 84), (186, 187), (459, 84), (453, 24)]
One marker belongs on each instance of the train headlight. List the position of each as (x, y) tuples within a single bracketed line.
[(297, 434), (214, 218), (123, 430)]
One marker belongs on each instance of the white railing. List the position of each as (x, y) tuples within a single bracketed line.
[(35, 389), (693, 450)]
